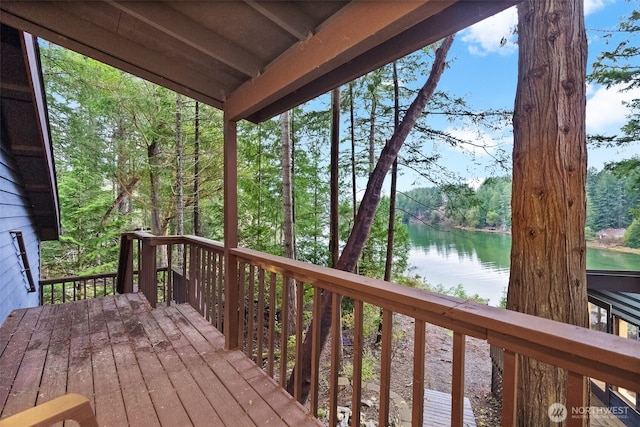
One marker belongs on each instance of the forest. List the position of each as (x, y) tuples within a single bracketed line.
[(612, 201), (132, 155)]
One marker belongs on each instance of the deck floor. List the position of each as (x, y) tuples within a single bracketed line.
[(137, 365)]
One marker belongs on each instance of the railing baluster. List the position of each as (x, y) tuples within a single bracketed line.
[(272, 324), (315, 350), (220, 299), (214, 288), (358, 346), (385, 366), (284, 328), (457, 380), (417, 410), (250, 311), (241, 304), (509, 388), (192, 276), (335, 359), (298, 350), (576, 394), (210, 288), (260, 333), (168, 293)]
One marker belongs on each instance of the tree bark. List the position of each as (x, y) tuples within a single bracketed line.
[(179, 184), (354, 189), (388, 265), (334, 229), (548, 252), (196, 171), (287, 202), (366, 212)]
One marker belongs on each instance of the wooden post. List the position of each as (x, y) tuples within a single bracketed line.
[(125, 265), (231, 307), (149, 278), (509, 388), (457, 381), (577, 400)]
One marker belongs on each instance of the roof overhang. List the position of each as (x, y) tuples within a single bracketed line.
[(25, 126), (254, 59)]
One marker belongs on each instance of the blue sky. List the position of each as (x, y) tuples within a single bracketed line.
[(486, 75)]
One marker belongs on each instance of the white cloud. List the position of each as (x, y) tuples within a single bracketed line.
[(486, 36), (480, 143), (606, 111), (591, 6)]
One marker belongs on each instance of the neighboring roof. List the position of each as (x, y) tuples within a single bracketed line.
[(618, 289), (254, 59), (25, 125), (625, 305)]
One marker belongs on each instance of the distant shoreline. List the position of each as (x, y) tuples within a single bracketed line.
[(594, 244)]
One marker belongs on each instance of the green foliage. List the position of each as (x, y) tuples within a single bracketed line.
[(460, 292), (370, 319), (369, 365), (632, 235), (611, 198), (619, 67)]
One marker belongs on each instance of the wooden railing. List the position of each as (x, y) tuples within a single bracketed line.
[(60, 290), (251, 311)]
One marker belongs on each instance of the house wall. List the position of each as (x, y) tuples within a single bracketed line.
[(15, 214)]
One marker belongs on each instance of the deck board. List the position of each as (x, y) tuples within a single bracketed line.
[(137, 366), (437, 410)]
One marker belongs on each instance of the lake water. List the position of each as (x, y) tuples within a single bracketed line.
[(480, 261)]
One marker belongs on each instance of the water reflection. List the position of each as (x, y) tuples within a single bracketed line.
[(480, 261)]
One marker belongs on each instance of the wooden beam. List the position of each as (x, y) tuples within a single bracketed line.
[(286, 15), (357, 28), (51, 22), (185, 30), (454, 18)]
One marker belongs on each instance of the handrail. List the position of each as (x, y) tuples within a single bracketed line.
[(261, 300), (591, 353)]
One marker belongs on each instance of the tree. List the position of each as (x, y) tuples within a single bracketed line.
[(619, 67), (366, 213), (287, 204), (548, 252)]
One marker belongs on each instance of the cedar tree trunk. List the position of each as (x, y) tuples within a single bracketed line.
[(548, 253)]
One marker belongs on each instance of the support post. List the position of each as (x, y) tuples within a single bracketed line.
[(231, 304), (149, 280)]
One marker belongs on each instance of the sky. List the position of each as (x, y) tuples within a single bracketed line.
[(485, 74)]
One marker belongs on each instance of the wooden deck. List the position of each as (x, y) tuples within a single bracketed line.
[(137, 365)]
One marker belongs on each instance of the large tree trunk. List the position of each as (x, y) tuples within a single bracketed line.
[(153, 157), (196, 171), (287, 198), (179, 184), (548, 253), (354, 189), (334, 226), (366, 212), (391, 233)]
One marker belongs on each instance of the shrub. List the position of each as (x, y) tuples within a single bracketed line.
[(632, 235)]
